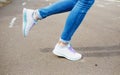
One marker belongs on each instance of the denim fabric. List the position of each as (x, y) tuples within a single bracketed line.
[(78, 10)]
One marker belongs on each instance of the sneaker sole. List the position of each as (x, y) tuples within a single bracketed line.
[(24, 21), (62, 55)]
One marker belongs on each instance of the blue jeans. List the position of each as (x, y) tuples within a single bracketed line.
[(78, 10)]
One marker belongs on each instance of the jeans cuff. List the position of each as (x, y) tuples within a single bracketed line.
[(64, 41), (39, 15)]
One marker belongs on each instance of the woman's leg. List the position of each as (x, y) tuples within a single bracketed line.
[(75, 18), (57, 7), (30, 17), (63, 47)]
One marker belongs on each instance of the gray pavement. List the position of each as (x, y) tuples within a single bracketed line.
[(98, 39)]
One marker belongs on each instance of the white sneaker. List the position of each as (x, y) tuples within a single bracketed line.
[(67, 52), (28, 21)]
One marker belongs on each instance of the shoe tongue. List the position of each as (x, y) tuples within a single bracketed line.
[(33, 16), (71, 49)]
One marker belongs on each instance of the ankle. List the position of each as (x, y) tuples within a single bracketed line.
[(35, 16), (62, 43)]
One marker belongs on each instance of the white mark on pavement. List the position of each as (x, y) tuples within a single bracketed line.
[(12, 22), (24, 3)]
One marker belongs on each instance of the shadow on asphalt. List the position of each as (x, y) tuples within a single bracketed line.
[(98, 51)]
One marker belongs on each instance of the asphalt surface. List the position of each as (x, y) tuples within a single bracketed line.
[(98, 39)]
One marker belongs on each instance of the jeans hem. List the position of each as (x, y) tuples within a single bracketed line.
[(64, 41), (39, 15)]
